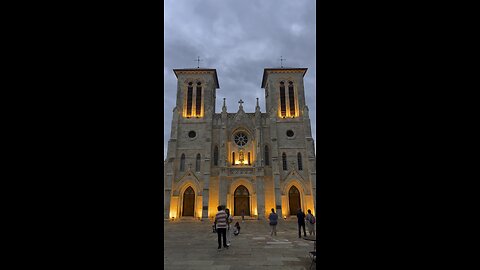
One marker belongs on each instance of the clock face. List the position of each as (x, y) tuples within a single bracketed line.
[(241, 139)]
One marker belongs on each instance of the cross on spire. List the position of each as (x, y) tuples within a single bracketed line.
[(281, 61), (198, 61), (240, 106)]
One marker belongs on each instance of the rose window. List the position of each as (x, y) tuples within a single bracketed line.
[(240, 139)]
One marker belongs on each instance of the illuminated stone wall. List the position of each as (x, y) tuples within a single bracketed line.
[(215, 185)]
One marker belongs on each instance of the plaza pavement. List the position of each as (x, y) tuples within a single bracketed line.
[(191, 244)]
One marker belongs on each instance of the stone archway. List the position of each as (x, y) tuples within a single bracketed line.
[(188, 202), (289, 193), (241, 201), (294, 200), (179, 194)]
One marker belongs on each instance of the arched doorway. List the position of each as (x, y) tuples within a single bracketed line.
[(294, 200), (188, 202), (241, 201)]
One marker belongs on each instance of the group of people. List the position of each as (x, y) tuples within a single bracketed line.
[(273, 218), (223, 220), (222, 227)]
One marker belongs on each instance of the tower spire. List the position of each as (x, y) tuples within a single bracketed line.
[(224, 107), (281, 61), (198, 61)]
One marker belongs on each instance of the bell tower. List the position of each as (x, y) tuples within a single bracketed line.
[(284, 92), (290, 134), (196, 92), (189, 147)]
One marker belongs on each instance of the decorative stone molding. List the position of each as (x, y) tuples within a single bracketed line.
[(240, 171)]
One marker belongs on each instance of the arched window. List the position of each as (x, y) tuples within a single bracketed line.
[(233, 158), (197, 163), (283, 107), (291, 97), (267, 156), (284, 161), (300, 166), (189, 99), (215, 156), (248, 158), (182, 163), (198, 102)]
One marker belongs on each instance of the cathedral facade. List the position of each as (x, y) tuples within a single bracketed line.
[(249, 162)]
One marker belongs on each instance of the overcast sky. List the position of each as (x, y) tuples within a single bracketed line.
[(239, 39)]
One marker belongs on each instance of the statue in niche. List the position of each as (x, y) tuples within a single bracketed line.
[(240, 156)]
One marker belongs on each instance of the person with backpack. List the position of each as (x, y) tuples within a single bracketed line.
[(310, 222)]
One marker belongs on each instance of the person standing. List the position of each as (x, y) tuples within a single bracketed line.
[(310, 222), (221, 221), (243, 215), (273, 222), (301, 223), (229, 226)]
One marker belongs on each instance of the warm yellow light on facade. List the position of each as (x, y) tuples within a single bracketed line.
[(238, 162), (193, 114), (288, 115)]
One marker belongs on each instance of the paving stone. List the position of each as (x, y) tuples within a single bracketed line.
[(193, 262), (192, 245), (265, 262)]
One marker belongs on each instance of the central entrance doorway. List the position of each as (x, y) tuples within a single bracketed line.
[(294, 200), (241, 201), (188, 202)]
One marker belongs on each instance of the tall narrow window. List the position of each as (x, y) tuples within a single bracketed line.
[(291, 97), (189, 99), (284, 161), (197, 163), (182, 163), (283, 108), (267, 156), (198, 102), (248, 158), (233, 158), (300, 165), (215, 156)]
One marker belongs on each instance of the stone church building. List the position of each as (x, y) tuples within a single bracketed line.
[(250, 162)]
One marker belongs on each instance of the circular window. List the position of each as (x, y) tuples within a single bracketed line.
[(192, 134), (241, 139), (290, 133)]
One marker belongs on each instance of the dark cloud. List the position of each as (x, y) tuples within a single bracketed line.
[(239, 39)]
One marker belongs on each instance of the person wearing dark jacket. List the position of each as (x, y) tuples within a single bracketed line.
[(301, 223), (273, 222)]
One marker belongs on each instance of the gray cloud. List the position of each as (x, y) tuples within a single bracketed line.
[(239, 39)]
